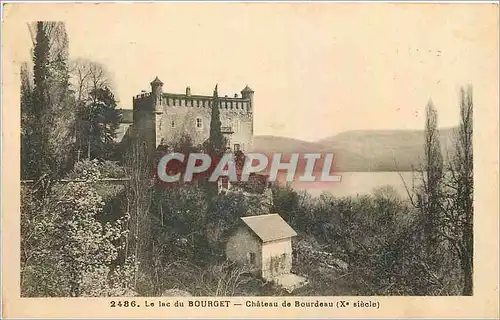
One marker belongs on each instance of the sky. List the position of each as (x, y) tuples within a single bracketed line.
[(316, 69)]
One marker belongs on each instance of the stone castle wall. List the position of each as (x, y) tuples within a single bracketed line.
[(174, 115), (193, 119)]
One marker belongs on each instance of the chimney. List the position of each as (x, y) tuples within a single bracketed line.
[(188, 91)]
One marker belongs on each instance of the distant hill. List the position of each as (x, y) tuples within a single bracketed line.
[(273, 144), (282, 144), (363, 150)]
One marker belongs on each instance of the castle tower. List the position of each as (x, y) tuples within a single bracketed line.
[(247, 93), (156, 92)]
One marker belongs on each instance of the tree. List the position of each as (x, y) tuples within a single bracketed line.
[(94, 125), (39, 139), (432, 178), (458, 221), (98, 120), (446, 203), (216, 141), (139, 199), (50, 115), (90, 81), (437, 268), (88, 76), (27, 156)]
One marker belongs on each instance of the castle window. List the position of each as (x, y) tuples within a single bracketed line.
[(237, 124), (199, 123), (172, 124), (237, 147)]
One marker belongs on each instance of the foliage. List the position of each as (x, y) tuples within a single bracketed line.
[(285, 202), (98, 121), (430, 196), (456, 223), (67, 250), (460, 224), (56, 100), (27, 156), (47, 105), (445, 206), (373, 235)]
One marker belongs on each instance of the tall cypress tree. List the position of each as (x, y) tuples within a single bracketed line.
[(216, 143), (27, 157), (434, 174), (49, 115), (39, 143)]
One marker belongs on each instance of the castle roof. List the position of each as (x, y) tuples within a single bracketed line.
[(269, 227), (157, 81), (247, 89)]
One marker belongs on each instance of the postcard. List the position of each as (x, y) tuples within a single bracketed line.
[(250, 160)]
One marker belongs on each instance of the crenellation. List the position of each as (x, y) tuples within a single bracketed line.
[(176, 100), (142, 95)]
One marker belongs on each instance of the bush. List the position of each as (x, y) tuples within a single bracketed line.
[(67, 250)]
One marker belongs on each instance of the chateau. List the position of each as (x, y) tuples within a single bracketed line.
[(160, 118)]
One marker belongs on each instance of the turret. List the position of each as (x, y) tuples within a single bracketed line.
[(156, 86), (156, 91), (247, 93)]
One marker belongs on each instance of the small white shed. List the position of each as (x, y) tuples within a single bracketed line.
[(263, 242)]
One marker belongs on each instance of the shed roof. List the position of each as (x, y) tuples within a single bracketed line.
[(269, 227)]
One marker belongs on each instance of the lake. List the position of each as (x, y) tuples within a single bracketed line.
[(358, 183)]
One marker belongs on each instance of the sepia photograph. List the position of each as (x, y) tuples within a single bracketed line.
[(242, 156)]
